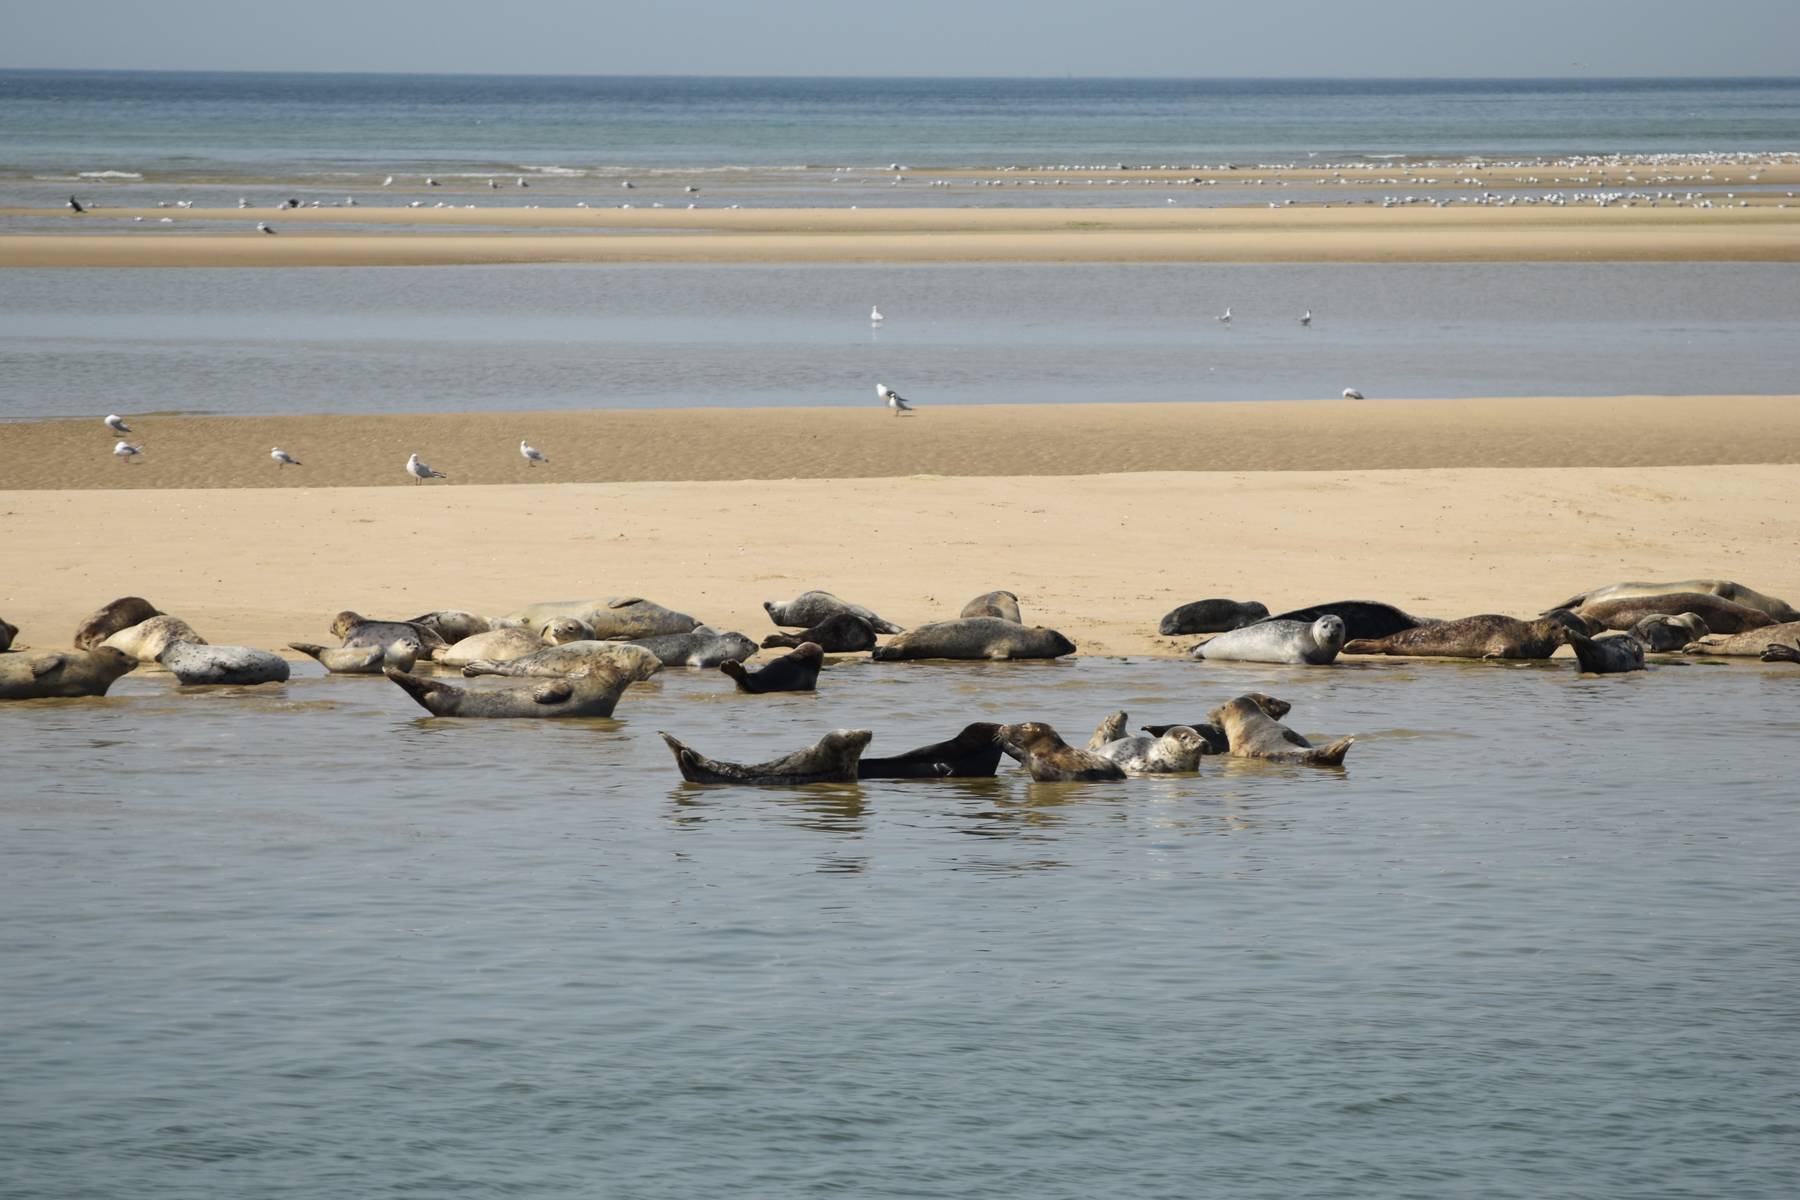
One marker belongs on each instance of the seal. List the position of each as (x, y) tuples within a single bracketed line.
[(1211, 616), (1003, 605), (7, 633), (1316, 644), (354, 629), (1175, 751), (1362, 618), (1253, 733), (358, 660), (840, 633), (1776, 652), (558, 630), (37, 676), (201, 663), (613, 617), (796, 672), (1662, 632), (1488, 635), (971, 754), (975, 637), (122, 613), (702, 646), (570, 657), (832, 759), (1613, 655), (1214, 736), (496, 645), (453, 625), (585, 694), (148, 639), (1049, 759), (1745, 645), (1720, 615), (810, 608), (1728, 589)]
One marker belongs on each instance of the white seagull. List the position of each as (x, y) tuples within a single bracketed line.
[(533, 456), (420, 472), (388, 182), (1352, 394), (892, 399), (116, 423), (263, 227), (127, 451), (1306, 319), (282, 458), (1224, 318), (875, 317)]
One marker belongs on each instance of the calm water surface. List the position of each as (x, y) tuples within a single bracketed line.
[(1536, 939)]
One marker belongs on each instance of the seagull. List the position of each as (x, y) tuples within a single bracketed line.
[(430, 182), (533, 456), (892, 399), (282, 458), (117, 424), (75, 205), (420, 472), (1306, 319), (127, 451), (1224, 318), (1352, 394), (388, 182), (875, 317), (263, 227)]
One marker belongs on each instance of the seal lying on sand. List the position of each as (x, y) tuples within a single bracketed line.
[(796, 672), (1175, 751), (358, 660), (973, 753), (1316, 643), (832, 759), (840, 633), (587, 694), (1721, 616), (148, 639), (1211, 616), (1362, 618), (1253, 733), (1488, 635), (1004, 605), (1613, 655), (1744, 645), (1049, 759), (29, 675), (354, 629), (614, 617), (975, 637), (1727, 589), (496, 645), (1663, 632), (810, 608), (453, 625), (198, 663), (703, 646), (1214, 736), (122, 613), (571, 657), (7, 634)]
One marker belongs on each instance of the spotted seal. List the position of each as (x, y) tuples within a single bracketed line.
[(1049, 759), (571, 657), (832, 759), (1211, 616), (354, 629), (1315, 644), (1253, 733), (619, 618), (34, 675), (593, 693), (496, 645), (702, 646), (1003, 605), (1175, 751), (358, 660), (840, 633), (796, 672), (810, 608), (973, 638), (1613, 655), (1720, 615), (1661, 632), (973, 753), (453, 625), (203, 663), (122, 613), (1488, 635), (1744, 645), (1728, 589), (148, 639)]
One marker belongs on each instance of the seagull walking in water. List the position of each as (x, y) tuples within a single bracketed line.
[(75, 205), (1224, 318), (126, 451), (533, 456), (263, 227), (875, 317), (892, 399), (420, 471), (116, 423), (282, 458), (1352, 394), (1306, 319)]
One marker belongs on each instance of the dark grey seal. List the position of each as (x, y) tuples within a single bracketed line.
[(586, 694), (122, 613), (975, 637), (1362, 618), (1613, 655), (701, 647), (1211, 616), (809, 608), (1004, 605), (832, 759), (37, 676), (840, 633), (796, 672), (971, 754)]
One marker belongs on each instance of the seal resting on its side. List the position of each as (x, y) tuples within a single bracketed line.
[(1175, 751), (1004, 605), (1317, 643), (1720, 615), (796, 672), (702, 646), (1253, 733), (614, 617), (840, 633), (1211, 616), (975, 637), (592, 693), (1362, 618), (122, 613), (7, 633), (200, 662), (1214, 736), (453, 625), (1728, 589), (354, 629), (571, 657), (358, 660), (1049, 759), (36, 676), (1613, 655), (810, 608), (832, 759), (1488, 635), (1663, 632), (1744, 645), (496, 645), (973, 753), (147, 640)]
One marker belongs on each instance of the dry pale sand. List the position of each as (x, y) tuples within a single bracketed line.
[(1299, 234), (1101, 557), (867, 441)]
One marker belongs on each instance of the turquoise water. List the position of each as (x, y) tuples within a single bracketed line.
[(1535, 939)]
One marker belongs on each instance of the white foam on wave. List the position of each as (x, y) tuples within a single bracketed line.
[(108, 175), (528, 168)]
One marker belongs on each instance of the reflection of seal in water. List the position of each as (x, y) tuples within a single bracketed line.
[(840, 633), (1744, 645), (1253, 733), (7, 634), (1175, 751), (587, 694), (810, 608), (1720, 615), (122, 613), (1663, 632), (1216, 741), (202, 663), (358, 660), (1488, 635), (975, 637), (36, 676), (453, 625), (571, 657), (611, 617), (796, 672), (973, 753), (1727, 589), (1362, 618), (1049, 759), (147, 640), (1613, 655), (1211, 616), (701, 647), (354, 629), (1316, 643), (496, 645), (1004, 605), (832, 759)]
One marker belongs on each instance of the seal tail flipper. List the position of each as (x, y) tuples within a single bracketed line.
[(736, 670), (1572, 603), (1365, 646), (780, 641), (1776, 652), (1333, 755), (416, 686), (686, 760), (307, 648), (1587, 652)]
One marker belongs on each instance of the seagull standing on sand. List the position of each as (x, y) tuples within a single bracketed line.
[(1352, 394), (875, 317), (421, 472), (1224, 318), (75, 205), (263, 227), (127, 451), (533, 456), (282, 458), (116, 423), (892, 399), (1306, 319)]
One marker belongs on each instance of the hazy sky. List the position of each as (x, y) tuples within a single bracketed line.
[(1192, 38)]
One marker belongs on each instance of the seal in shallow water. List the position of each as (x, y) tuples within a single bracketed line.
[(1211, 616), (1049, 759), (592, 693), (832, 759), (202, 663), (122, 613), (796, 672), (840, 633), (810, 608), (1002, 604), (1175, 751), (1613, 655), (354, 629), (973, 753), (975, 637), (33, 675), (1728, 589), (1720, 615), (1488, 635), (1362, 618), (1253, 733), (1317, 643)]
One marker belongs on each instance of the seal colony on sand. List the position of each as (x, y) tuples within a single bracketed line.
[(1728, 589), (840, 633), (1049, 759), (584, 694), (1211, 616), (1488, 635), (796, 672), (810, 608), (1720, 615), (832, 759), (975, 637), (1744, 645), (39, 676), (1253, 733), (971, 754), (1278, 641)]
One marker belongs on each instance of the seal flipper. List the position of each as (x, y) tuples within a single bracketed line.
[(1776, 652), (736, 670), (1109, 730), (1332, 755), (418, 687), (1365, 646), (553, 691)]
